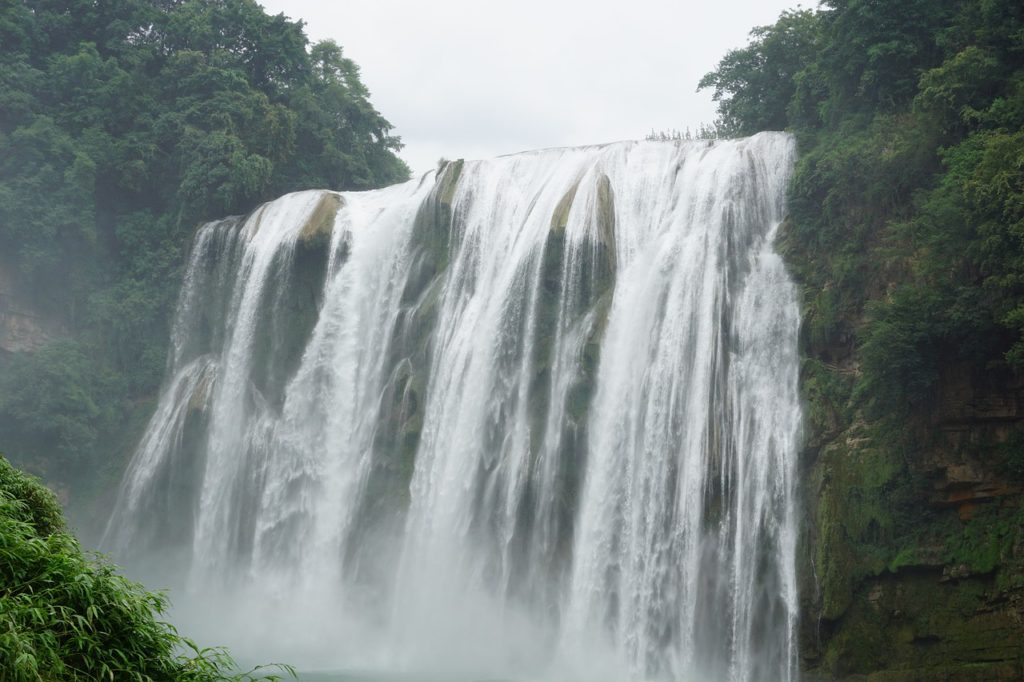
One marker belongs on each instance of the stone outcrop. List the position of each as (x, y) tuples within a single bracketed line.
[(23, 328), (912, 561)]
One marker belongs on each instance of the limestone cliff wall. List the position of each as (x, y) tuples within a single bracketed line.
[(23, 328), (912, 560)]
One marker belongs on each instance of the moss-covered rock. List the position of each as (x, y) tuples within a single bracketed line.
[(292, 305), (912, 557), (320, 225), (576, 283), (407, 363)]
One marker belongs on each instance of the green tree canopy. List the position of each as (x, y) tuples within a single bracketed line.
[(754, 85), (123, 124)]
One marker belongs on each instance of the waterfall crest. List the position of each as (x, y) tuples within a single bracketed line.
[(531, 416)]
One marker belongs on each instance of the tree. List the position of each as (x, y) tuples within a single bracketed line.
[(754, 85)]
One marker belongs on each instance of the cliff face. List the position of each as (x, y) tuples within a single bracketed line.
[(912, 561), (23, 328)]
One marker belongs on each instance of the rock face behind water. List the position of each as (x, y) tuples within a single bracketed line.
[(529, 416), (23, 327), (914, 555)]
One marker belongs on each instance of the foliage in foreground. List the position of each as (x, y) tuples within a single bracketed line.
[(67, 616)]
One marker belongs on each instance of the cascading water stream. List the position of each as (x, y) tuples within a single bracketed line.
[(535, 416)]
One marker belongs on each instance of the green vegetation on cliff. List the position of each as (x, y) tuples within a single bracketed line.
[(906, 230), (67, 616), (122, 125)]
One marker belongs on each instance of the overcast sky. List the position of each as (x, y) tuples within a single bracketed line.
[(474, 79)]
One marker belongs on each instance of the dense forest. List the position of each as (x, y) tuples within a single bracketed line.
[(123, 125), (906, 230)]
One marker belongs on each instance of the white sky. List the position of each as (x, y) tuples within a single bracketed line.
[(459, 78)]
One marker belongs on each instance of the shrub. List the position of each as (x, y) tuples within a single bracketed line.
[(65, 615)]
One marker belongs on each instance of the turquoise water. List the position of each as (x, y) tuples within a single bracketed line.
[(372, 676), (362, 676)]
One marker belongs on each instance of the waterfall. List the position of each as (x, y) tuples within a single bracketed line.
[(535, 416)]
